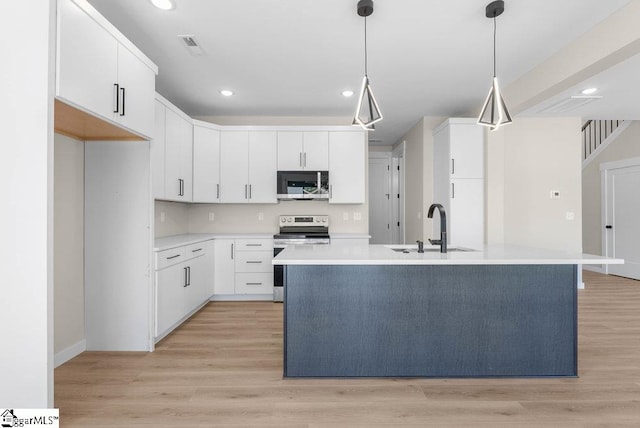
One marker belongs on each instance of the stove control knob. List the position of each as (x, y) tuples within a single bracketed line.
[(324, 219), (317, 220), (289, 219)]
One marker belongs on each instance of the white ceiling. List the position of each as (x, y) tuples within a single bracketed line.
[(294, 57)]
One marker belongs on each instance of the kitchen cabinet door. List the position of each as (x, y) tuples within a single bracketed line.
[(206, 164), (262, 167), (467, 150), (137, 85), (347, 167), (169, 296), (196, 287), (224, 266), (316, 151), (178, 157), (87, 62), (157, 152), (290, 151), (234, 166), (466, 222)]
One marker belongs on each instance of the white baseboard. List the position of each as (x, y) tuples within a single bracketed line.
[(241, 297), (593, 268), (72, 351)]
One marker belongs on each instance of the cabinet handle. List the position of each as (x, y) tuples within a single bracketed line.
[(218, 191), (453, 190), (188, 275), (304, 160), (330, 191), (250, 185), (246, 186), (254, 261), (453, 166), (173, 257), (253, 283), (180, 187), (117, 104), (254, 245), (185, 278), (124, 96), (300, 159), (195, 251), (231, 251)]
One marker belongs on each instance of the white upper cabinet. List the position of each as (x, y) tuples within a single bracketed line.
[(467, 151), (298, 151), (137, 85), (178, 157), (206, 164), (101, 72), (234, 166), (248, 167), (262, 167), (87, 61), (347, 167), (158, 152)]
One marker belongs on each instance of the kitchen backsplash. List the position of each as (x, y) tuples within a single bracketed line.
[(253, 218)]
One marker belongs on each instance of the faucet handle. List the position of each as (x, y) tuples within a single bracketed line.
[(435, 241)]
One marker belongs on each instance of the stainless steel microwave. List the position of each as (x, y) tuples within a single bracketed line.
[(296, 185)]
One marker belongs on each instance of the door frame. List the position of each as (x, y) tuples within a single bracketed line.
[(606, 170), (386, 156), (397, 182)]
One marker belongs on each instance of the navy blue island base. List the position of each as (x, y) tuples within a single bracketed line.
[(430, 321)]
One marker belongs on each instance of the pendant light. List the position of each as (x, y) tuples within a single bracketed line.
[(367, 111), (494, 112)]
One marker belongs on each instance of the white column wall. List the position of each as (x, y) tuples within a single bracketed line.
[(27, 30)]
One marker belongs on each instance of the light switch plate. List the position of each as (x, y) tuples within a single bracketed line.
[(570, 215), (212, 216), (345, 216), (162, 217), (260, 216), (357, 216)]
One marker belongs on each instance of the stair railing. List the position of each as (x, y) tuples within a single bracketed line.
[(594, 133)]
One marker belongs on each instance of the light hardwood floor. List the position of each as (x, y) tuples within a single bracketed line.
[(224, 368)]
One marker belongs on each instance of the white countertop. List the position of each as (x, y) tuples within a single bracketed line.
[(174, 241), (383, 255), (350, 236)]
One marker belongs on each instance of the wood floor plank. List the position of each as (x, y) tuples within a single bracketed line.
[(223, 368)]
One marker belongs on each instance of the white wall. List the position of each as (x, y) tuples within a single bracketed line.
[(527, 160), (68, 243), (626, 146), (26, 220)]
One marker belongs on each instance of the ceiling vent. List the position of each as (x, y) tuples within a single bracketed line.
[(569, 104), (192, 45)]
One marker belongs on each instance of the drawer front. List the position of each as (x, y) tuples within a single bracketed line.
[(168, 258), (254, 244), (195, 250), (254, 261), (254, 283)]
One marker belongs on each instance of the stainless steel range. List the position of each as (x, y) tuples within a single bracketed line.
[(297, 230)]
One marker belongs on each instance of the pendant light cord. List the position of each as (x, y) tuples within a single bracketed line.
[(365, 45), (494, 45)]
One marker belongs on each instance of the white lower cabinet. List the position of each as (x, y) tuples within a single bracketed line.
[(243, 267), (184, 281)]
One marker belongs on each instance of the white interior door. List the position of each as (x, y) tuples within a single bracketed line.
[(379, 200), (622, 213)]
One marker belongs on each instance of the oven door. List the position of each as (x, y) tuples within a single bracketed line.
[(278, 278)]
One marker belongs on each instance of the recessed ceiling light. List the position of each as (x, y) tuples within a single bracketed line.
[(226, 92), (347, 93), (164, 4), (589, 91)]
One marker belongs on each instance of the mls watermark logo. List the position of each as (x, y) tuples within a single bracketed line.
[(11, 418)]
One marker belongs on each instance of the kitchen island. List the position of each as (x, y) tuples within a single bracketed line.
[(370, 311)]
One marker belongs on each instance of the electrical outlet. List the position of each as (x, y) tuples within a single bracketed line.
[(212, 216), (357, 216), (570, 215), (162, 217), (555, 194), (345, 216), (260, 216), (419, 215)]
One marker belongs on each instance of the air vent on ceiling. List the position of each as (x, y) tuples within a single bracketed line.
[(570, 104), (192, 45)]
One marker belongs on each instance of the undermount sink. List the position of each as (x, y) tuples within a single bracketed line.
[(407, 250)]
